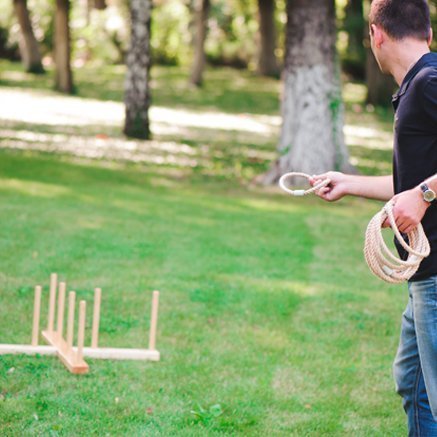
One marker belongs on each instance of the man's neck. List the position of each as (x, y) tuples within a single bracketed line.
[(405, 56)]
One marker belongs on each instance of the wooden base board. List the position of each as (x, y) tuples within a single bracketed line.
[(68, 357), (121, 354), (26, 349), (88, 352)]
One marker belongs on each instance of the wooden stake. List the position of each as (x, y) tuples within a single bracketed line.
[(70, 321), (61, 308), (154, 320), (96, 318), (52, 301), (36, 315), (81, 331)]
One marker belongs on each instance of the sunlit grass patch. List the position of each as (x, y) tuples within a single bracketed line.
[(227, 129)]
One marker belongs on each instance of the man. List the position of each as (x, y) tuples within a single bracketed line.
[(400, 35)]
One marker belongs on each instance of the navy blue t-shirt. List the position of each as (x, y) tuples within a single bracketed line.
[(415, 145)]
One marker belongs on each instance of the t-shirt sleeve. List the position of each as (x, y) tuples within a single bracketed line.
[(430, 98)]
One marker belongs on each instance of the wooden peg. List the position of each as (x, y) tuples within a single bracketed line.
[(36, 315), (81, 331), (154, 320), (52, 302), (70, 321), (96, 318), (61, 308)]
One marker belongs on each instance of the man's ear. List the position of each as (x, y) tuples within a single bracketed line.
[(430, 37), (378, 35)]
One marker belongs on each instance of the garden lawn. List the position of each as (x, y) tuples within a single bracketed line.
[(270, 323)]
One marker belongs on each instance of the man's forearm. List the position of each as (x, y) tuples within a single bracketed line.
[(432, 182), (410, 206), (371, 187)]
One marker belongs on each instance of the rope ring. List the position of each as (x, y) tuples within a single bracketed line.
[(316, 187), (381, 261)]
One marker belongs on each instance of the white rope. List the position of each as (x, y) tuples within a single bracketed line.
[(381, 260), (316, 187)]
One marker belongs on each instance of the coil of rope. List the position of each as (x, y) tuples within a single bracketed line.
[(381, 261)]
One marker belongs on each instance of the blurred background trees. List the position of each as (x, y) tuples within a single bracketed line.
[(29, 48), (247, 34), (312, 115), (254, 35), (62, 47), (137, 88)]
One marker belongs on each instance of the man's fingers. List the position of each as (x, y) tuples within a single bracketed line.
[(322, 191), (317, 178), (386, 223), (401, 224), (408, 229)]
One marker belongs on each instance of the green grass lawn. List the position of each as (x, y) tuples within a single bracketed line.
[(270, 322)]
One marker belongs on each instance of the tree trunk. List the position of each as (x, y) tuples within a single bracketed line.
[(63, 75), (137, 87), (29, 48), (267, 62), (201, 11), (356, 27), (312, 111), (99, 4), (380, 87)]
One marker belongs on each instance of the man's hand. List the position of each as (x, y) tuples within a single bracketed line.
[(409, 209), (336, 189)]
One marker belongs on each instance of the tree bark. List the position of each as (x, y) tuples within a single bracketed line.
[(29, 49), (312, 138), (356, 27), (201, 11), (99, 4), (137, 87), (267, 62), (63, 74)]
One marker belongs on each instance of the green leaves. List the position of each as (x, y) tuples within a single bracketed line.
[(206, 416)]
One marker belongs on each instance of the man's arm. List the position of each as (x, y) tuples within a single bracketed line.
[(370, 187), (410, 207), (432, 183)]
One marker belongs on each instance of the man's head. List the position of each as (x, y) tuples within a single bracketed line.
[(394, 21), (402, 19)]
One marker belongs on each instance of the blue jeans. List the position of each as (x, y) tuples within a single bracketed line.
[(415, 366)]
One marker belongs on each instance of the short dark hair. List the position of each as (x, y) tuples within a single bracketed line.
[(402, 18)]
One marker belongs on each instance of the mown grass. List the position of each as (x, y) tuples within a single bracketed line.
[(270, 322)]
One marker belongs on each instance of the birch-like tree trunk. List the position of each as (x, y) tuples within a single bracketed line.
[(137, 85), (29, 48), (267, 62), (311, 138), (201, 12), (63, 74)]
